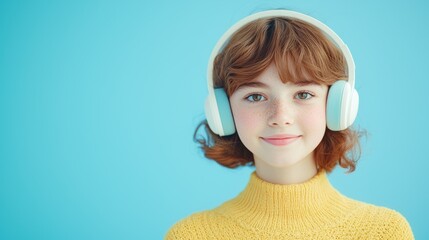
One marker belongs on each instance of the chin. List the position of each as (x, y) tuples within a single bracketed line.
[(281, 163)]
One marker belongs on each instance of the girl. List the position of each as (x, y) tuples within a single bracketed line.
[(280, 105)]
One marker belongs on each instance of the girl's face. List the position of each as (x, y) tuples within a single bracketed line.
[(281, 124)]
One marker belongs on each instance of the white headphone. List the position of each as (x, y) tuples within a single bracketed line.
[(343, 99)]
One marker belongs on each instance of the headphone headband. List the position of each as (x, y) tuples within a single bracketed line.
[(280, 13)]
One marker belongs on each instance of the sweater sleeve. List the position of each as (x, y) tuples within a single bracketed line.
[(180, 231), (187, 228), (399, 228)]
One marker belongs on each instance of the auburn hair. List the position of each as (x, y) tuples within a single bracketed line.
[(300, 51)]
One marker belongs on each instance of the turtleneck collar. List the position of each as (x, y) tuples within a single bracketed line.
[(265, 206)]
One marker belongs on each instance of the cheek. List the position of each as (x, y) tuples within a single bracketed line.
[(315, 120), (244, 119), (319, 115)]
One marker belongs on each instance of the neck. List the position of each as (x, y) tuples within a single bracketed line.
[(299, 172)]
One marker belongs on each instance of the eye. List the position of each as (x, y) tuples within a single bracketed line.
[(255, 98), (304, 95)]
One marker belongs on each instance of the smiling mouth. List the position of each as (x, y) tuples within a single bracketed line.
[(277, 141)]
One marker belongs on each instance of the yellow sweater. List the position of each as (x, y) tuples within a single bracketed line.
[(310, 210)]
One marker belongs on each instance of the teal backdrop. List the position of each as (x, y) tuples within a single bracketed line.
[(99, 101)]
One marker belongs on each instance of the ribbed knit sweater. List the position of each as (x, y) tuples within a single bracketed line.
[(309, 210)]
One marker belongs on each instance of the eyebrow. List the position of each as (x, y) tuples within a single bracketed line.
[(263, 85), (253, 85)]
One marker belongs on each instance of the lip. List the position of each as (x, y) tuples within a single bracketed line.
[(281, 139)]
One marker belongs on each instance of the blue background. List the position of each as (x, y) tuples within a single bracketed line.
[(99, 101)]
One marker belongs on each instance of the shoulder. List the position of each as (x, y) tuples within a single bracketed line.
[(395, 225), (381, 221), (195, 226)]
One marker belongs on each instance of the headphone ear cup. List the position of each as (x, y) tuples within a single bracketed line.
[(337, 106), (218, 113), (354, 106)]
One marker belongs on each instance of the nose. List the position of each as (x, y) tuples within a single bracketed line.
[(280, 114)]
